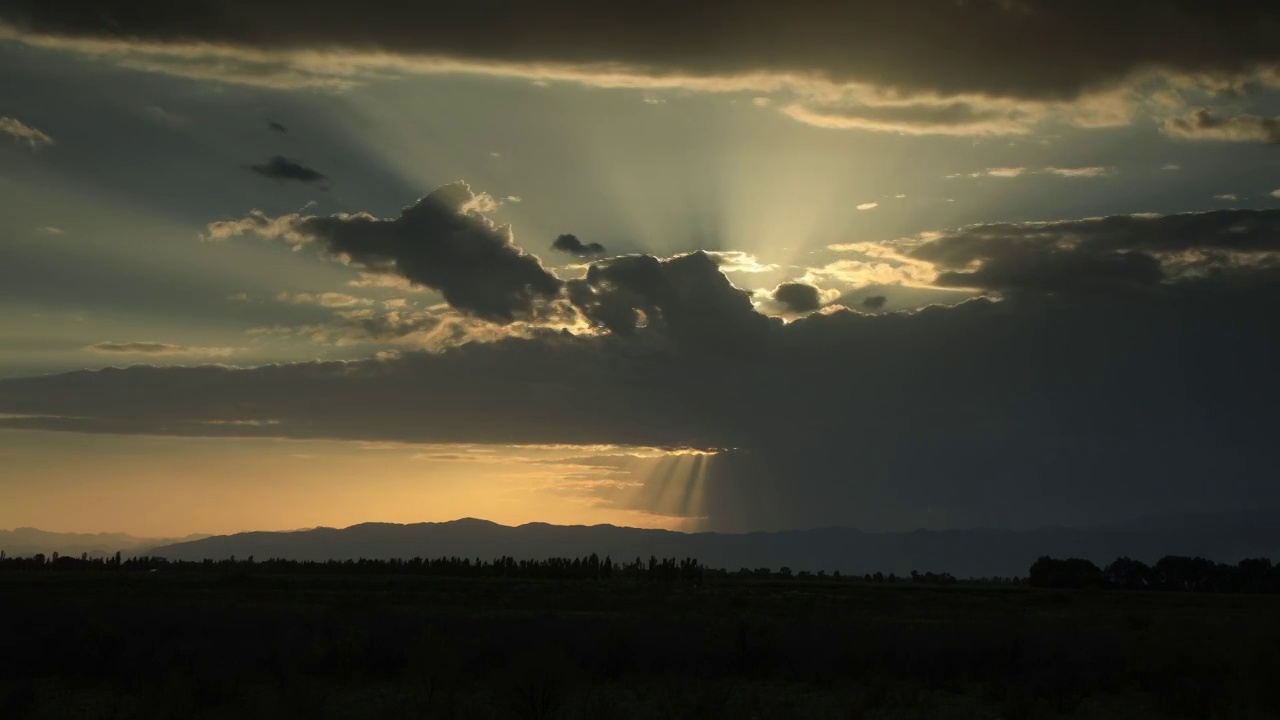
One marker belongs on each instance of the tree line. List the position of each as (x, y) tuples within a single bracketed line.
[(1170, 573)]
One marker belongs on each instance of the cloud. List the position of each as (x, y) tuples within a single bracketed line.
[(1275, 193), (444, 241), (868, 205), (1032, 410), (797, 297), (282, 168), (514, 198), (1101, 254), (278, 127), (965, 71), (1013, 172), (687, 298), (874, 302), (1171, 167), (1078, 172), (49, 230), (1203, 124), (571, 245), (23, 133), (1228, 197), (736, 261), (163, 116), (325, 299), (157, 348)]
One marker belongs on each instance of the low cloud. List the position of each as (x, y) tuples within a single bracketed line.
[(868, 206), (324, 299), (874, 302), (571, 245), (157, 348), (1078, 172), (282, 168), (1203, 124), (23, 133)]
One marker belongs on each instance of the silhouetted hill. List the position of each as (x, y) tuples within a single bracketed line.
[(964, 553), (30, 541)]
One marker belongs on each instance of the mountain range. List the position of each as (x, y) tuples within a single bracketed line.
[(27, 541), (963, 553)]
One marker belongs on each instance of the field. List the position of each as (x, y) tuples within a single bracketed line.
[(260, 645)]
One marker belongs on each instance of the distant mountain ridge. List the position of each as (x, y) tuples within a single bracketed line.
[(26, 541), (964, 553)]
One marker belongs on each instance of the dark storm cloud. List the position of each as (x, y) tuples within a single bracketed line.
[(444, 241), (282, 168), (278, 127), (570, 244), (1020, 48), (1203, 124), (797, 297), (874, 302), (1124, 251)]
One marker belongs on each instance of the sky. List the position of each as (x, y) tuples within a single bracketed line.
[(717, 265)]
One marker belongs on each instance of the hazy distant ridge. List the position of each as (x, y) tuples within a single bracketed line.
[(30, 541), (964, 553)]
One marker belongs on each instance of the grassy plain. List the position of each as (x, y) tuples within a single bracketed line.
[(169, 645)]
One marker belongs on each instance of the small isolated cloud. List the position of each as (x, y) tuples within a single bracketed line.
[(495, 154), (1275, 193), (50, 230), (238, 297), (278, 127), (1171, 167), (157, 348), (23, 133), (1078, 172), (514, 199), (868, 205), (570, 244), (1228, 197), (324, 299), (651, 100), (1203, 124), (159, 114), (280, 167), (1005, 172), (874, 302), (761, 101), (797, 297), (899, 197)]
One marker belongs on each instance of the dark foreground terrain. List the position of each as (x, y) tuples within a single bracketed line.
[(262, 645)]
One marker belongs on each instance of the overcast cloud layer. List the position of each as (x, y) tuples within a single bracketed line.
[(985, 67)]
